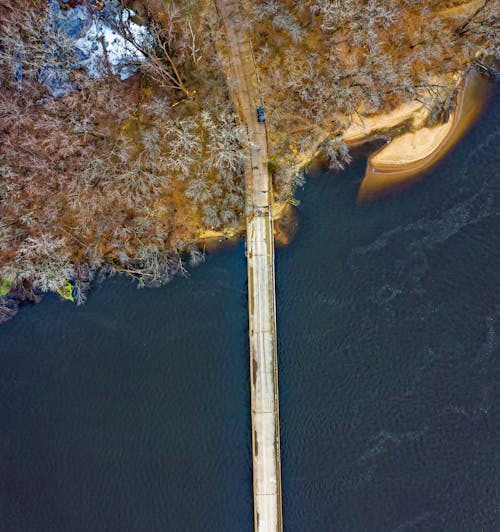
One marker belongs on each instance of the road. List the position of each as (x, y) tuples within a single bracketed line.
[(244, 85)]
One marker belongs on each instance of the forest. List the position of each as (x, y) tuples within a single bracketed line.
[(119, 145)]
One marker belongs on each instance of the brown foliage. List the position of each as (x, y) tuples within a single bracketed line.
[(324, 62), (122, 176), (112, 176)]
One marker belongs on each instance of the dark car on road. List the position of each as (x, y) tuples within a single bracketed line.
[(261, 117)]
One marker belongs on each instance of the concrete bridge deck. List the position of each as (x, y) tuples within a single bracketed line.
[(243, 81)]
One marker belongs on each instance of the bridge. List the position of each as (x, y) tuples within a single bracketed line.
[(245, 92)]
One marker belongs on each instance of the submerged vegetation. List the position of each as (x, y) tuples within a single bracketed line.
[(102, 171)]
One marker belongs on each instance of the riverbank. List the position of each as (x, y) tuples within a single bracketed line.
[(131, 175), (413, 146), (407, 156), (282, 212), (412, 149)]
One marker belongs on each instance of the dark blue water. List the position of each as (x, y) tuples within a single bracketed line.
[(131, 413)]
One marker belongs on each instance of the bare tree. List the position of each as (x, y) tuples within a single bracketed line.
[(159, 50)]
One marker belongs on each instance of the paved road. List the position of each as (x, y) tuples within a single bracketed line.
[(244, 85)]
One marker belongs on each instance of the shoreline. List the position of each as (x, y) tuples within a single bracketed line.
[(474, 89), (400, 162), (406, 157), (211, 239)]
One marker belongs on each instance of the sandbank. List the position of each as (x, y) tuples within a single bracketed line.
[(408, 155), (362, 129)]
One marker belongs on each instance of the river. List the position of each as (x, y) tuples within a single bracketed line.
[(131, 413)]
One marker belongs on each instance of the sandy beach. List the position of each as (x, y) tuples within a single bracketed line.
[(408, 155)]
